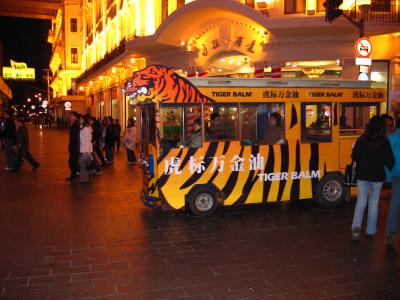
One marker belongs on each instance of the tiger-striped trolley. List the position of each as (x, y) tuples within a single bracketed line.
[(224, 141)]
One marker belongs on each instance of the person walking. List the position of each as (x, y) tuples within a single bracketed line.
[(2, 121), (85, 149), (394, 178), (109, 140), (9, 135), (390, 124), (130, 141), (371, 153), (97, 136), (117, 132), (73, 145), (22, 140), (94, 165)]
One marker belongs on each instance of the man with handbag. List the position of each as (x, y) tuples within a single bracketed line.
[(85, 149)]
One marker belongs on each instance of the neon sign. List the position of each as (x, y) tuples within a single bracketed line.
[(18, 71)]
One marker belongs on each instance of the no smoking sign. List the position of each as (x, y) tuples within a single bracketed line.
[(363, 47)]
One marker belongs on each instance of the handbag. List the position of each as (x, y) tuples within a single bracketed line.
[(350, 174), (91, 163)]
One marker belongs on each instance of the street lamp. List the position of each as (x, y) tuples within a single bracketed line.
[(48, 77)]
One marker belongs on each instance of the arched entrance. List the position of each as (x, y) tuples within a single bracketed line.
[(229, 63), (219, 37)]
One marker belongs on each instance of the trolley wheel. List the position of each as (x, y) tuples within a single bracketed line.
[(331, 190), (202, 201)]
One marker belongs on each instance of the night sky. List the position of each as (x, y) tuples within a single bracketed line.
[(25, 40)]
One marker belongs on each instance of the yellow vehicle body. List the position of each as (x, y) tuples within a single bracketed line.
[(240, 174)]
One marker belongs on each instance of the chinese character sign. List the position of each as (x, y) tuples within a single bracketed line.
[(237, 163)]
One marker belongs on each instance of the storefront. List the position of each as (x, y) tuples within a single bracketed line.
[(65, 104), (114, 102), (227, 38)]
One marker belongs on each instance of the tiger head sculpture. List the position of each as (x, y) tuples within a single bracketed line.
[(161, 84)]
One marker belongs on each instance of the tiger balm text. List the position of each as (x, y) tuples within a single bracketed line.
[(292, 176)]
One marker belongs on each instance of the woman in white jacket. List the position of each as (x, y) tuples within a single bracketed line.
[(85, 149), (130, 141)]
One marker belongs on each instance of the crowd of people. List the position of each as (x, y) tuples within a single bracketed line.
[(92, 144), (376, 154)]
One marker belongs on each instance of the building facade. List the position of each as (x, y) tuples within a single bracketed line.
[(287, 38), (66, 61), (5, 91)]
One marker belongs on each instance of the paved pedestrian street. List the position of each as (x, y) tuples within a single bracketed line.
[(96, 241)]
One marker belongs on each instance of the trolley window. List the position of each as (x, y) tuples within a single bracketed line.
[(180, 126), (193, 126), (262, 123), (355, 116), (316, 124), (221, 121)]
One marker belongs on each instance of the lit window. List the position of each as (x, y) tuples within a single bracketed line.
[(221, 122), (74, 55), (295, 6), (355, 116), (74, 25), (262, 124), (180, 126), (316, 122)]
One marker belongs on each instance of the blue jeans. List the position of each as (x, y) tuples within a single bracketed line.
[(393, 218), (363, 189)]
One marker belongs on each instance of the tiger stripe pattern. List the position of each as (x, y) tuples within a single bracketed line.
[(227, 165)]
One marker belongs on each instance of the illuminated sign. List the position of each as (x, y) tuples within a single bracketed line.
[(67, 105), (18, 71), (221, 94), (363, 61)]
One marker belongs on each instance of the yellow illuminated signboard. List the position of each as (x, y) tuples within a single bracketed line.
[(18, 71), (288, 94)]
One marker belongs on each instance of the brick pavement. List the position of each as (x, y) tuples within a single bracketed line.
[(96, 241)]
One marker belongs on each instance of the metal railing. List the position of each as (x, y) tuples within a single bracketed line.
[(378, 11)]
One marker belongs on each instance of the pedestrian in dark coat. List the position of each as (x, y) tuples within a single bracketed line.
[(109, 140), (9, 135), (97, 136), (117, 132), (22, 139), (73, 145), (371, 153)]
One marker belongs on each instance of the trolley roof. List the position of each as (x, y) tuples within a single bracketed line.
[(277, 82)]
